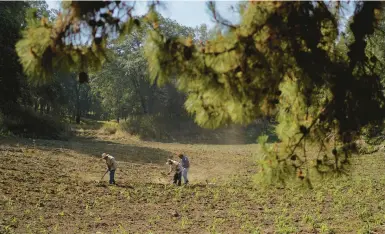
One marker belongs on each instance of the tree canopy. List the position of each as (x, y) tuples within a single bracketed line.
[(288, 60)]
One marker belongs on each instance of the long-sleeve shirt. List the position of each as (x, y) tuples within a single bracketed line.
[(111, 163), (175, 165), (185, 162)]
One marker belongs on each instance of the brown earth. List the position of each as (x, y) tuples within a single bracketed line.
[(52, 187)]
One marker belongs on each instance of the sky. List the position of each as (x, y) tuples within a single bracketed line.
[(193, 13), (189, 13)]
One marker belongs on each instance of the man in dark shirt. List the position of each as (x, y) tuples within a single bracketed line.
[(184, 161)]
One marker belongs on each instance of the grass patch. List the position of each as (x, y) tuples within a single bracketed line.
[(109, 128)]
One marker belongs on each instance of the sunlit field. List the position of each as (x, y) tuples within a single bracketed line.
[(54, 187)]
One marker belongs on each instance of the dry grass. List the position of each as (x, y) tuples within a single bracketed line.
[(50, 187)]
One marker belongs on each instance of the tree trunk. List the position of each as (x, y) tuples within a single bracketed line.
[(143, 104), (141, 98), (36, 106), (77, 120), (41, 108)]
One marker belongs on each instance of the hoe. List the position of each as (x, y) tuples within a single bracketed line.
[(103, 176)]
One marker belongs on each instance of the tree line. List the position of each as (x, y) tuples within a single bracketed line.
[(119, 90), (288, 61)]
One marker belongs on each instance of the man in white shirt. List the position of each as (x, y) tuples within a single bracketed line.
[(111, 165), (175, 165)]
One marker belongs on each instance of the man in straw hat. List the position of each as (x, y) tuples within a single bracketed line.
[(111, 165)]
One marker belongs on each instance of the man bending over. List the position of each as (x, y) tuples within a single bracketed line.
[(178, 171)]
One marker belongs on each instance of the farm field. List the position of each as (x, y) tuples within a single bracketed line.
[(286, 90), (53, 187)]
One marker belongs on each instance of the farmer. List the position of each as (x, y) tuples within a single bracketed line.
[(185, 166), (178, 171), (111, 165)]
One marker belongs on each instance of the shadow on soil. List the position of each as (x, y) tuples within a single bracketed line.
[(236, 135), (94, 148), (186, 131), (223, 139)]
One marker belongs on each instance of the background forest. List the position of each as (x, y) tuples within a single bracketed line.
[(120, 92)]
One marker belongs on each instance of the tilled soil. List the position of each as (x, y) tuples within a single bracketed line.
[(47, 189), (54, 187)]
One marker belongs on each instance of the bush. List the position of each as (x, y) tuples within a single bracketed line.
[(1, 122), (371, 140), (3, 131), (27, 123), (147, 127), (109, 130)]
